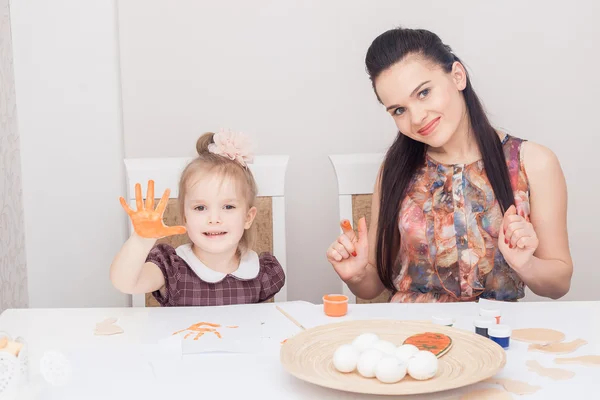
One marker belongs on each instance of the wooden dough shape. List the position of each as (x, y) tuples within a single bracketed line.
[(558, 348), (107, 327), (487, 394), (538, 335), (556, 374), (513, 386), (437, 343), (583, 360)]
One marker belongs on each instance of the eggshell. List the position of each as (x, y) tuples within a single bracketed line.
[(365, 341), (390, 370), (423, 365), (405, 352), (345, 358), (367, 362), (385, 347)]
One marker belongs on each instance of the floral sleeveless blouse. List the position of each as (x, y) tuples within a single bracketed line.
[(449, 224)]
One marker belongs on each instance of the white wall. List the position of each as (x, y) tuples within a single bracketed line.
[(292, 75), (13, 271), (69, 117)]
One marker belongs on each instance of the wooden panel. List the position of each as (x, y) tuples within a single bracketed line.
[(361, 207), (263, 225)]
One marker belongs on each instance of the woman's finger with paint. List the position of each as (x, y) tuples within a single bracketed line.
[(347, 230)]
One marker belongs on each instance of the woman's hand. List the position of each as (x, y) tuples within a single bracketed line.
[(517, 240), (349, 254), (148, 222)]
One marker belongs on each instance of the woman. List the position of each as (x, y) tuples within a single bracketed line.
[(460, 210)]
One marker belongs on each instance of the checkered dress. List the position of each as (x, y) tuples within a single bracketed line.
[(185, 288)]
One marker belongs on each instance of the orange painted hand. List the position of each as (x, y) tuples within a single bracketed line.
[(148, 222), (517, 240), (349, 254)]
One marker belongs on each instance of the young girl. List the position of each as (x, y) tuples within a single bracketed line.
[(216, 198)]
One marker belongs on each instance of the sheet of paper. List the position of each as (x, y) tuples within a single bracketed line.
[(226, 337)]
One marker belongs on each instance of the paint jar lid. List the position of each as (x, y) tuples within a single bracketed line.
[(440, 320), (488, 312), (499, 331), (484, 322)]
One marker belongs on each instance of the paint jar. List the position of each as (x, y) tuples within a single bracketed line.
[(500, 334), (482, 325), (335, 305), (445, 321), (490, 313)]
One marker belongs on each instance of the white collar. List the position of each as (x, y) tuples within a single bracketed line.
[(248, 269)]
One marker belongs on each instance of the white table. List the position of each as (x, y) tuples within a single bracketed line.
[(114, 367)]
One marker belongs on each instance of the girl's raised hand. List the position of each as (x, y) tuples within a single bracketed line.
[(147, 221)]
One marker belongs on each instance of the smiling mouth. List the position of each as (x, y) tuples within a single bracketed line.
[(429, 127), (214, 234)]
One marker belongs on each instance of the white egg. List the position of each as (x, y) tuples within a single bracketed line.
[(385, 347), (405, 352), (423, 365), (390, 370), (365, 341), (345, 358), (367, 362)]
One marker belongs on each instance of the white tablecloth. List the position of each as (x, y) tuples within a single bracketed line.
[(133, 365)]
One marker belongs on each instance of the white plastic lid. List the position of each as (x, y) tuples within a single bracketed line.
[(486, 312), (442, 320), (485, 323), (499, 331)]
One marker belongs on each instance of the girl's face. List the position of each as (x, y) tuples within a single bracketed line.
[(216, 214), (425, 102)]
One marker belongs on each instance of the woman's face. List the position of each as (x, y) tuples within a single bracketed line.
[(425, 102)]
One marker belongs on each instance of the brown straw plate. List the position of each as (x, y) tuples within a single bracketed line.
[(309, 356)]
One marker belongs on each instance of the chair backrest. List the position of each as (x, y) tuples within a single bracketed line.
[(356, 175), (269, 173)]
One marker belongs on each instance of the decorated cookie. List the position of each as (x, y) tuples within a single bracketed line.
[(437, 343)]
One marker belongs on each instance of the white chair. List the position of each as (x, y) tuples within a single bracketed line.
[(356, 175), (269, 172)]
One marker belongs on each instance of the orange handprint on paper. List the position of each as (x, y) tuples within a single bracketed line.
[(148, 222), (200, 329)]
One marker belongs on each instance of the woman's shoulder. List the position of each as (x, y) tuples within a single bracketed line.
[(535, 158)]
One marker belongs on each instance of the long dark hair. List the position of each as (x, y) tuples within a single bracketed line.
[(406, 155)]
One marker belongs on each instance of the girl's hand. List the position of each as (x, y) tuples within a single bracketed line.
[(349, 254), (517, 240), (147, 222)]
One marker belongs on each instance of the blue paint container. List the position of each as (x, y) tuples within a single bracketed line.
[(500, 334)]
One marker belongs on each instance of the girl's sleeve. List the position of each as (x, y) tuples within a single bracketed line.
[(272, 276), (164, 256)]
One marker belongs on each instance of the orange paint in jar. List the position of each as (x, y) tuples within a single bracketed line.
[(335, 305)]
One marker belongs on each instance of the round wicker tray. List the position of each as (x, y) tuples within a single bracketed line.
[(471, 359)]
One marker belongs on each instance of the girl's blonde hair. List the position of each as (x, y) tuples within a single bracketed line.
[(226, 168)]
